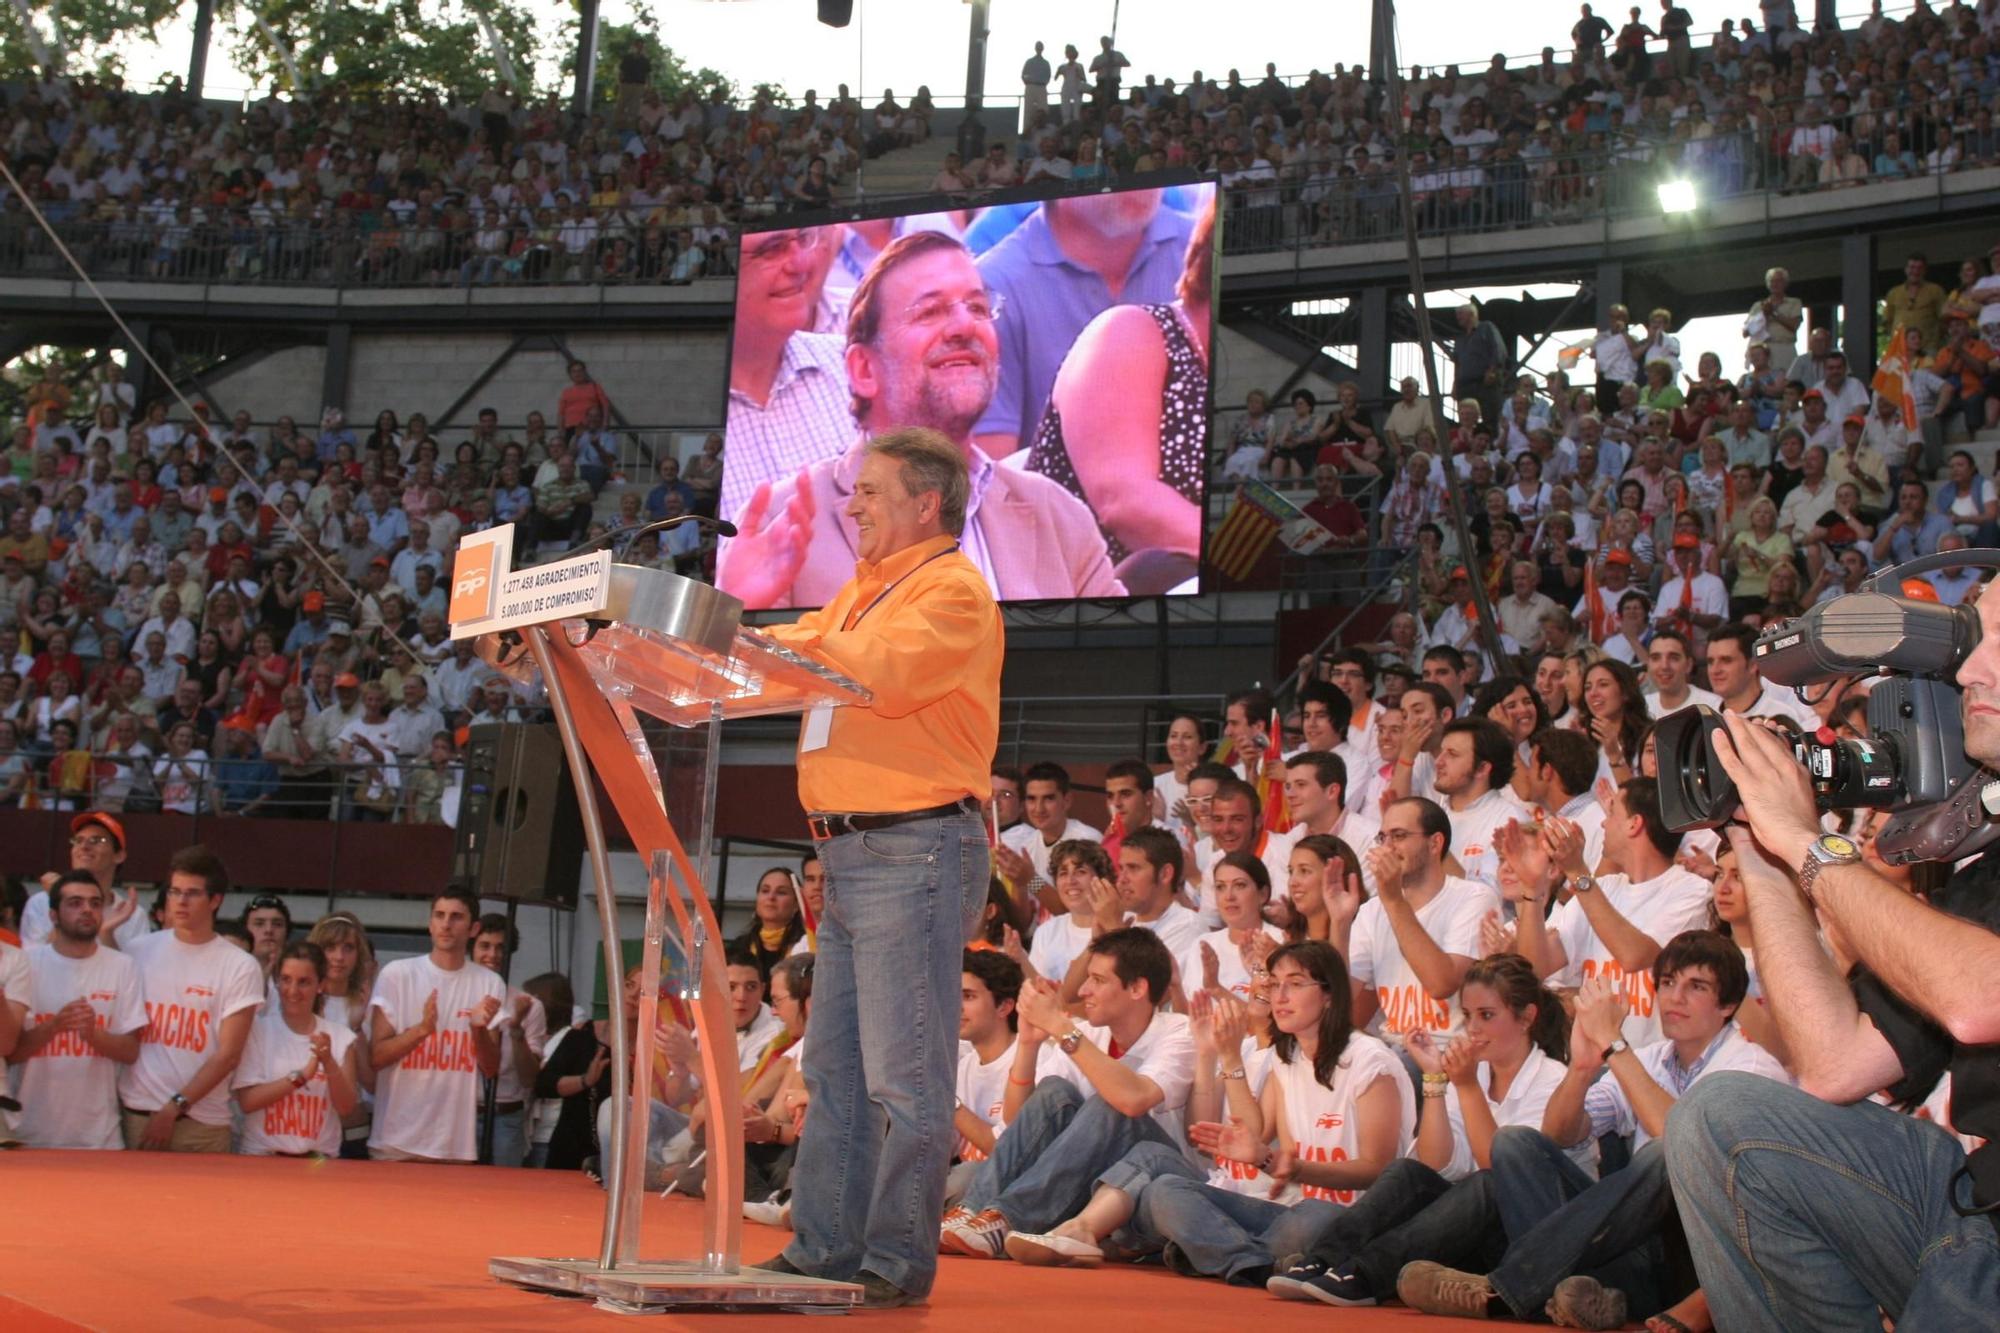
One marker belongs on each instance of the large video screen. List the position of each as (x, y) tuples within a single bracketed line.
[(1063, 343)]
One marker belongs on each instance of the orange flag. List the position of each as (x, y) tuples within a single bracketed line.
[(1271, 791), (1893, 378)]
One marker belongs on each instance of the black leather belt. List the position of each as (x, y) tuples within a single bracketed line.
[(507, 1108), (833, 826)]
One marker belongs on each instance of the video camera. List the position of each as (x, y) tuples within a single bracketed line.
[(1914, 760)]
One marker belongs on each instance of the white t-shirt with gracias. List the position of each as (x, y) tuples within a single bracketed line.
[(1376, 959), (69, 1089), (190, 989), (303, 1120), (426, 1104)]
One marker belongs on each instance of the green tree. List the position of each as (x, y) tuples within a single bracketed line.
[(411, 47), (80, 33)]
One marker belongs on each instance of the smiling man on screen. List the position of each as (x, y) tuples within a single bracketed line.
[(921, 351)]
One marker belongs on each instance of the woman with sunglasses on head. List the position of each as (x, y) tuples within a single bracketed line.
[(344, 992), (297, 1078)]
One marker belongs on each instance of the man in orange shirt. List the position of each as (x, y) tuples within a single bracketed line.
[(893, 790)]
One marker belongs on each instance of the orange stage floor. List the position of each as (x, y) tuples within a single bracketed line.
[(125, 1241)]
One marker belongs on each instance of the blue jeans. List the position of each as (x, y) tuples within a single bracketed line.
[(1045, 1167), (1804, 1214), (1147, 1162), (868, 1187), (663, 1124), (510, 1142), (1409, 1213), (1225, 1234), (1560, 1222)]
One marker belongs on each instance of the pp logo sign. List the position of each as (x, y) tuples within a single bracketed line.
[(472, 583)]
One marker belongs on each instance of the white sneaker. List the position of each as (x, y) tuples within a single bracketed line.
[(768, 1212), (676, 1149)]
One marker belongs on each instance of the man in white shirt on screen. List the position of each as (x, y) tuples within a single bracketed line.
[(788, 403), (202, 993), (437, 1021), (1614, 924), (521, 1047), (1411, 943), (81, 1011), (921, 352)]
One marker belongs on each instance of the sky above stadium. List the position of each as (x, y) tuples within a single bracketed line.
[(902, 43)]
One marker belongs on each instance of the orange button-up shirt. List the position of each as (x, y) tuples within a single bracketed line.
[(930, 650)]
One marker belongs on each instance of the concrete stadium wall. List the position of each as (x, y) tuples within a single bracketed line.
[(663, 378), (1242, 365)]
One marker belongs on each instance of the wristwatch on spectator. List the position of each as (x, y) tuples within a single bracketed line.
[(1828, 849), (1070, 1040), (1582, 883), (1614, 1048), (178, 1102)]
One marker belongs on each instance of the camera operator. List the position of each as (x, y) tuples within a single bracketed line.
[(1814, 1208)]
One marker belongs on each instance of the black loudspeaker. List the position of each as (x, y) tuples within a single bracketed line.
[(836, 13), (520, 835)]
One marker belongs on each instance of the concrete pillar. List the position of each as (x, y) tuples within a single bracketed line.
[(339, 353), (1857, 303), (1372, 356), (1610, 290)]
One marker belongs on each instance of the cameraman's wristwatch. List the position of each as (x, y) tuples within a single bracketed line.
[(1828, 849)]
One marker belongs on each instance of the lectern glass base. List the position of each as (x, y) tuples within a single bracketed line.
[(646, 1288)]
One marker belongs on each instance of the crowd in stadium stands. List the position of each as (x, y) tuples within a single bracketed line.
[(335, 187), (331, 186), (1600, 125), (219, 618)]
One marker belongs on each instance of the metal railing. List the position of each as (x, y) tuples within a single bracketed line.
[(219, 786), (1501, 193)]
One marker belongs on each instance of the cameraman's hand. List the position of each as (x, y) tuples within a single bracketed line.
[(1776, 792)]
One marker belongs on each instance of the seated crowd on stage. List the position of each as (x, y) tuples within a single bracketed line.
[(1393, 1007)]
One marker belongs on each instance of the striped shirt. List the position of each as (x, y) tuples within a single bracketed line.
[(805, 420)]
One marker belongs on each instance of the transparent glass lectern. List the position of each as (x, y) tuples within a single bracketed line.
[(669, 648)]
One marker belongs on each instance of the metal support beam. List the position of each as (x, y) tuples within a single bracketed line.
[(1381, 42), (1372, 350), (339, 359), (204, 24), (1610, 290), (1857, 303), (586, 59), (971, 132)]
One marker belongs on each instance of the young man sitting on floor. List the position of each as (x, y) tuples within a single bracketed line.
[(1079, 1096)]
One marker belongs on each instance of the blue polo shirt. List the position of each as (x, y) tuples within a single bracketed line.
[(1050, 298)]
